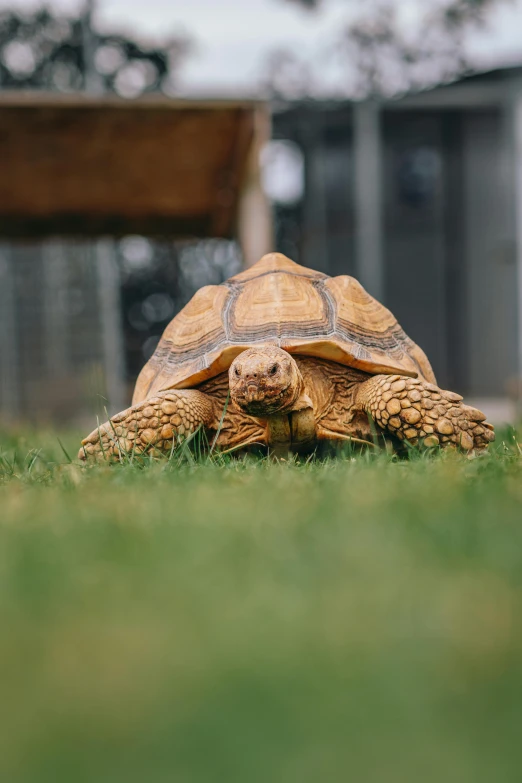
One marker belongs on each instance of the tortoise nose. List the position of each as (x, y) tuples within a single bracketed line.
[(251, 375)]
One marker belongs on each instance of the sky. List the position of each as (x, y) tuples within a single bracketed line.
[(232, 38)]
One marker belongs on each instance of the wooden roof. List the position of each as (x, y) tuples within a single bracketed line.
[(83, 165)]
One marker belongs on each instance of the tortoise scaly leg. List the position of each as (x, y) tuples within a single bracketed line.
[(157, 423), (419, 412)]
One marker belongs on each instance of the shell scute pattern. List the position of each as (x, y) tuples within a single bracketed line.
[(279, 307), (277, 301)]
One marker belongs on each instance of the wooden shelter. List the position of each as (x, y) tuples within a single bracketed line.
[(78, 171), (87, 166)]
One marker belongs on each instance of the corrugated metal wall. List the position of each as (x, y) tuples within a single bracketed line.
[(448, 230), (52, 359)]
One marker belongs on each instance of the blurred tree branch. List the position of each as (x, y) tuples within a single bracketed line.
[(459, 7), (46, 50), (306, 3), (383, 55)]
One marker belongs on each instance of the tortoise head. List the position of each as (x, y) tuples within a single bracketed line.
[(266, 380)]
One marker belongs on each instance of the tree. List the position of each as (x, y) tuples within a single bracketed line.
[(51, 51), (383, 56)]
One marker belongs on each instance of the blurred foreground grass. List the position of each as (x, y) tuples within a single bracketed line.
[(356, 620)]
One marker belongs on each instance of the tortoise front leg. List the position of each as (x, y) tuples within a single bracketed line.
[(416, 411), (154, 424)]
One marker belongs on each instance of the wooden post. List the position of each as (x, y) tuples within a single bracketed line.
[(368, 197), (9, 380), (255, 222)]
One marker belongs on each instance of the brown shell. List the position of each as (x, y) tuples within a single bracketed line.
[(277, 301)]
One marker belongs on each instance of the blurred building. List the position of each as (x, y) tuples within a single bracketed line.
[(421, 199)]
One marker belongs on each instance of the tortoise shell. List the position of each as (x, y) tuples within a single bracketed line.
[(277, 301)]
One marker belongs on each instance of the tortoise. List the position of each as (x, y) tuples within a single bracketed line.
[(286, 357)]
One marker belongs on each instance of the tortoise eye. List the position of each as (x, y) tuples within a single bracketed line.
[(273, 369), (237, 371)]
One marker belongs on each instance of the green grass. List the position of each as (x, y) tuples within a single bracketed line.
[(350, 620)]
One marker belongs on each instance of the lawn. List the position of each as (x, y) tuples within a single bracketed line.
[(350, 620)]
